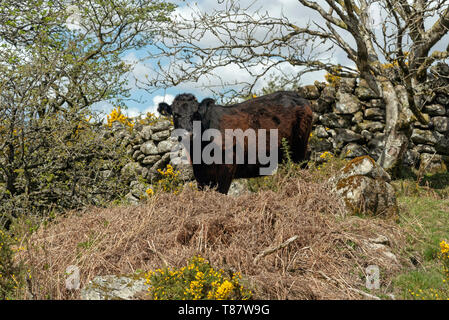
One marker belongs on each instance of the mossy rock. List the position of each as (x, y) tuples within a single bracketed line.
[(365, 195)]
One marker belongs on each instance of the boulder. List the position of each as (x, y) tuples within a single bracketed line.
[(364, 187)]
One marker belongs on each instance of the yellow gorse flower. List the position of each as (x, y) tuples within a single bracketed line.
[(117, 115)]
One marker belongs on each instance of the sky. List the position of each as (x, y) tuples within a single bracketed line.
[(148, 102), (143, 101)]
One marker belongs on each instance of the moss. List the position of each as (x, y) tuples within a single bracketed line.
[(356, 161)]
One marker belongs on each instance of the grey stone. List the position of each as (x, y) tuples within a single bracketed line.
[(442, 144), (377, 103), (184, 167), (149, 148), (146, 133), (161, 125), (424, 148), (320, 106), (362, 166), (150, 160), (366, 135), (376, 144), (328, 95), (131, 170), (347, 85), (442, 99), (441, 124), (167, 146), (358, 117), (332, 120), (113, 287), (353, 150), (432, 162), (347, 103), (131, 198), (320, 145), (345, 135), (238, 187), (161, 135), (435, 110), (365, 93), (372, 126), (309, 92), (137, 189), (411, 158), (321, 132), (136, 154), (423, 137), (159, 165), (374, 113)]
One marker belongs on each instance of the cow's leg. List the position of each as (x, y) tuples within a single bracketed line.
[(301, 133), (227, 173)]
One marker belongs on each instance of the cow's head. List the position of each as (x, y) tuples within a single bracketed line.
[(184, 110)]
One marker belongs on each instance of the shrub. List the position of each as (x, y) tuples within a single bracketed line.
[(11, 273), (116, 115), (196, 281), (169, 182)]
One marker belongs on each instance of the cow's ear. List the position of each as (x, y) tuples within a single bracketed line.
[(197, 116), (206, 103), (164, 109)]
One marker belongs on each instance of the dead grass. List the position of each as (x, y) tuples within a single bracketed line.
[(327, 261)]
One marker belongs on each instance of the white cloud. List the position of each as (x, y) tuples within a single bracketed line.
[(139, 71), (168, 98)]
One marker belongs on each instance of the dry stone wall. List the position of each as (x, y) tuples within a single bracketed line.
[(150, 147), (349, 121)]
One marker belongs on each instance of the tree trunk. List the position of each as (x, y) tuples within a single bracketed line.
[(397, 127)]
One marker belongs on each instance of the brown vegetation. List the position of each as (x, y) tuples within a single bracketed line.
[(326, 261)]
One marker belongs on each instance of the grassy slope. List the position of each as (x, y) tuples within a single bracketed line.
[(425, 218)]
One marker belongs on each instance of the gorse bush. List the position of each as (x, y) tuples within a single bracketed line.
[(116, 115), (169, 182), (11, 274), (196, 281)]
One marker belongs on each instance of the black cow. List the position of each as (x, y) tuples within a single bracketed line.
[(285, 111)]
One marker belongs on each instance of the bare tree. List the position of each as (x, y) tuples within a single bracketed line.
[(51, 74), (393, 57)]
